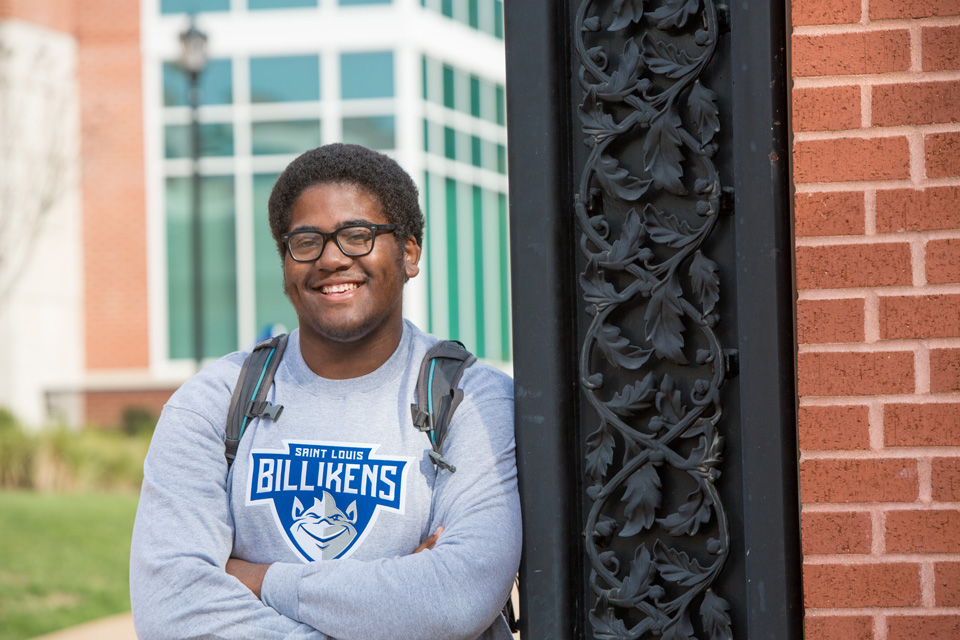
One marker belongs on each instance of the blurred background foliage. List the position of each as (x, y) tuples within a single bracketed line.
[(67, 504)]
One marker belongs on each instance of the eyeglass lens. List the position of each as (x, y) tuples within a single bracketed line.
[(353, 241)]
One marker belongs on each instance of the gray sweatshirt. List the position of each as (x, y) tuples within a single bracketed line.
[(337, 493)]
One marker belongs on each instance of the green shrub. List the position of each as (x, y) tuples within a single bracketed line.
[(61, 459), (138, 422), (18, 452)]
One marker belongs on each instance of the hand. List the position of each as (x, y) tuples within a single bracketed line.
[(250, 573), (429, 543)]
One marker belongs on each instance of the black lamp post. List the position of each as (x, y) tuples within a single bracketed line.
[(193, 59)]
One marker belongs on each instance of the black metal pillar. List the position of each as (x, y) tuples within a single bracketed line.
[(196, 219), (653, 319)]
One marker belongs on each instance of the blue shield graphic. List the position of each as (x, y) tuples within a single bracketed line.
[(326, 496)]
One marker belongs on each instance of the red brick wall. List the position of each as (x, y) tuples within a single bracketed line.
[(876, 117), (114, 197), (106, 408), (60, 15)]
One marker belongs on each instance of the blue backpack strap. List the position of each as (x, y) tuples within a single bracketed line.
[(438, 394), (250, 393)]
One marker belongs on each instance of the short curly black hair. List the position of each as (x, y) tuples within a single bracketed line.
[(341, 163)]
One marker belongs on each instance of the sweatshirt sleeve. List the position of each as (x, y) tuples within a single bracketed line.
[(182, 539), (454, 591)]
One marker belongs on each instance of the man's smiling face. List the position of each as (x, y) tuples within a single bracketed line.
[(338, 298)]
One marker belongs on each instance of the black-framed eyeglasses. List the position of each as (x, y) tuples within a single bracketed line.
[(354, 240)]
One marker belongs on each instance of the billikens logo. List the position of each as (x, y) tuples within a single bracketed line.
[(326, 496)]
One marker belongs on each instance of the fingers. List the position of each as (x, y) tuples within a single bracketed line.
[(430, 542)]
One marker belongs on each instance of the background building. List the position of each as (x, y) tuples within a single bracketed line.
[(421, 81)]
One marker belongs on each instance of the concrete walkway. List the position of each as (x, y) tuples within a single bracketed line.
[(118, 627)]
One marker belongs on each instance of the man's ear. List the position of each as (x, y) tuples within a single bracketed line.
[(411, 257)]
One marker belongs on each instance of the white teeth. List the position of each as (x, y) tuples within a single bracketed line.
[(339, 288)]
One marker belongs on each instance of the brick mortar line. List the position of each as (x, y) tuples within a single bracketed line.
[(918, 171), (925, 478), (859, 401), (871, 318), (847, 559), (927, 585), (885, 237), (878, 523), (845, 507), (874, 79), (866, 107), (875, 425), (871, 611), (897, 345), (916, 56), (870, 211), (921, 368), (877, 132), (872, 26), (892, 290), (888, 453), (853, 185)]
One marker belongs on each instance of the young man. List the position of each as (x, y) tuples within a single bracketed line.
[(333, 522)]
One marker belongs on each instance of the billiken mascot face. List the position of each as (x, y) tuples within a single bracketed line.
[(323, 531)]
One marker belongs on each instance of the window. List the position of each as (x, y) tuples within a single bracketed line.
[(285, 79), (376, 132), (216, 84), (216, 139), (271, 304), (219, 286), (366, 75), (284, 136), (193, 6), (280, 4)]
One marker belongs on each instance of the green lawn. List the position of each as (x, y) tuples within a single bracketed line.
[(63, 559)]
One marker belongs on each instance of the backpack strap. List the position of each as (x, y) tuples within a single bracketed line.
[(438, 395), (250, 393)]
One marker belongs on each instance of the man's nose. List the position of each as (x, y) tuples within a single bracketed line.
[(332, 258)]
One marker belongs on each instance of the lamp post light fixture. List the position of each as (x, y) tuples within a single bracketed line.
[(193, 60)]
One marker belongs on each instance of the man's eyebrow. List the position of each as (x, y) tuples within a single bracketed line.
[(345, 223)]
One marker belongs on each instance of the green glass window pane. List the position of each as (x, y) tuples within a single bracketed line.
[(478, 270), (448, 87), (449, 143), (436, 139), (376, 132), (216, 140), (504, 277), (284, 136), (216, 84), (461, 91), (501, 159), (426, 135), (453, 293), (280, 4), (193, 6), (366, 75), (464, 147), (270, 303), (473, 11), (489, 154), (488, 101), (423, 77), (425, 256), (285, 79), (475, 96), (501, 105), (219, 267), (476, 157), (498, 18), (352, 2), (446, 8)]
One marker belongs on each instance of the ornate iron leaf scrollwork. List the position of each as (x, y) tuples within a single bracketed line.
[(648, 273)]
